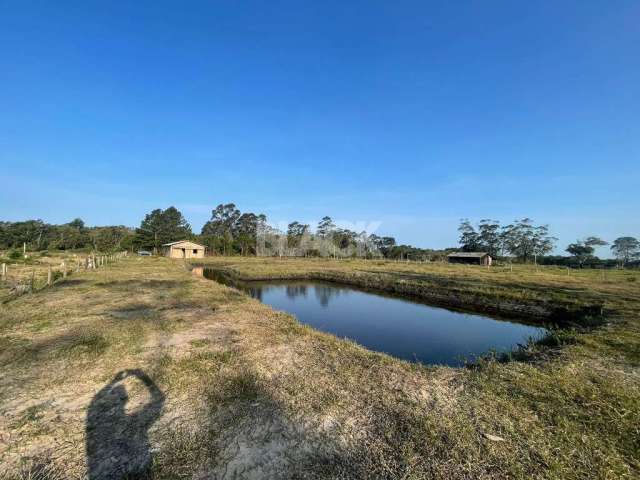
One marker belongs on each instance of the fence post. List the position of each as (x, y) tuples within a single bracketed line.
[(64, 269), (4, 271), (49, 276)]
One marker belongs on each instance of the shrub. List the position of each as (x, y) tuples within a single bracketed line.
[(14, 254)]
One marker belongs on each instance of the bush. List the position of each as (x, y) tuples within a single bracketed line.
[(15, 254)]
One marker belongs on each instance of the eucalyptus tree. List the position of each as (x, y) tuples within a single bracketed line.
[(469, 238), (246, 229), (525, 240), (489, 238), (626, 249), (382, 244), (220, 229), (223, 220), (583, 250)]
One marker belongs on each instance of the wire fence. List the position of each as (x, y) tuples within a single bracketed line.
[(19, 279)]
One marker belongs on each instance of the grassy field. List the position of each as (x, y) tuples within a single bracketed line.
[(221, 386), (31, 272)]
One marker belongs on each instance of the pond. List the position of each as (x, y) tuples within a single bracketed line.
[(400, 327)]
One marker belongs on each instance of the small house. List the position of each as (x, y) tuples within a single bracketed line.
[(183, 249), (474, 258)]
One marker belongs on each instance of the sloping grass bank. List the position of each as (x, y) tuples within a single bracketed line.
[(242, 391), (463, 287)]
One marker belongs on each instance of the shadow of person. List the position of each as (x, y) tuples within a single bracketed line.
[(117, 443)]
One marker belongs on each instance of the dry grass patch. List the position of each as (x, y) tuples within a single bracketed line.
[(247, 392)]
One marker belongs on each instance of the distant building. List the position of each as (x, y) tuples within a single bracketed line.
[(183, 249), (475, 258)]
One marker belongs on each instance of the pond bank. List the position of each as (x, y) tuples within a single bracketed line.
[(404, 328), (511, 302)]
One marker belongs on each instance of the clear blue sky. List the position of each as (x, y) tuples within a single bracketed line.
[(411, 114)]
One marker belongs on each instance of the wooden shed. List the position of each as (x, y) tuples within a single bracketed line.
[(474, 258), (183, 249)]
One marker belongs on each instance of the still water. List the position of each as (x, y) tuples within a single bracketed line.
[(403, 328)]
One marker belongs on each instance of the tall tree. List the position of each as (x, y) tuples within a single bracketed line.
[(626, 249), (35, 233), (344, 238), (71, 235), (295, 232), (469, 239), (583, 250), (524, 240), (246, 230), (105, 239), (489, 237), (382, 244), (222, 226), (325, 227), (162, 226), (223, 220), (542, 242)]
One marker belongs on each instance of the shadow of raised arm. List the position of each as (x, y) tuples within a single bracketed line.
[(151, 411)]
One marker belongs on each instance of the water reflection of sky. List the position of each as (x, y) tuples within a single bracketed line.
[(403, 328)]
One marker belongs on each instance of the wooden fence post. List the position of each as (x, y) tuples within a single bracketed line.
[(49, 276), (4, 271), (64, 269)]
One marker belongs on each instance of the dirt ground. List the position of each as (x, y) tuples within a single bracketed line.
[(145, 370)]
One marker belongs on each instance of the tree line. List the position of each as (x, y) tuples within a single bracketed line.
[(232, 232), (524, 241), (38, 235), (228, 232)]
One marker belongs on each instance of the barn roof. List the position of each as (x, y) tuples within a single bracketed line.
[(467, 254), (182, 241)]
